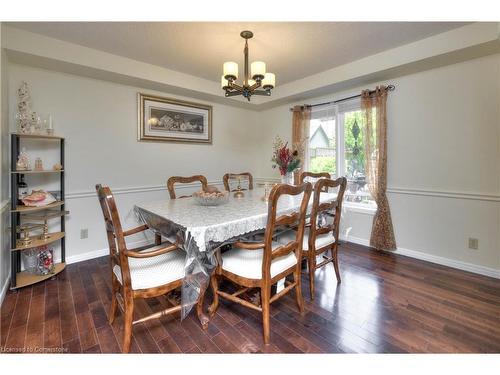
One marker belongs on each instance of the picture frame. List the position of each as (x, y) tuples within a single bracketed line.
[(172, 120)]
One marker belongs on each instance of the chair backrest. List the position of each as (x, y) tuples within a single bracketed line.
[(295, 218), (312, 177), (327, 207), (236, 176), (184, 180), (114, 231)]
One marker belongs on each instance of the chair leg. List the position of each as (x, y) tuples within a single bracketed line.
[(114, 302), (157, 239), (298, 290), (311, 265), (127, 322), (214, 283), (265, 295), (335, 257)]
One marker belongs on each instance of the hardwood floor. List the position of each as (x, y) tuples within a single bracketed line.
[(385, 304)]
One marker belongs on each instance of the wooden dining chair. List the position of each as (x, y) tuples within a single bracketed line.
[(261, 264), (321, 237), (184, 180), (313, 177), (228, 177), (142, 272)]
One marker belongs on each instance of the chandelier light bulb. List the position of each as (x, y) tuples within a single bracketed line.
[(258, 69), (230, 70), (269, 81)]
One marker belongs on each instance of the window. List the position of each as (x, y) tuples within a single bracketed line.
[(336, 146)]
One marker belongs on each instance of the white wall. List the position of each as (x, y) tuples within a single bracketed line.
[(443, 163), (99, 121)]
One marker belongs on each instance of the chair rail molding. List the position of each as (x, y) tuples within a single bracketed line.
[(424, 192), (137, 189), (445, 194)]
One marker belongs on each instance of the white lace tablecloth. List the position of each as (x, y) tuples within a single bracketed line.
[(204, 228), (217, 224)]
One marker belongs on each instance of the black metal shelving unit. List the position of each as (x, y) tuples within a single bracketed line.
[(20, 279)]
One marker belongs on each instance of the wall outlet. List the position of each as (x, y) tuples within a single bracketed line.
[(473, 243), (84, 233)]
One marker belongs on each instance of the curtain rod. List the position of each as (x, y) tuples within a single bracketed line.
[(388, 88)]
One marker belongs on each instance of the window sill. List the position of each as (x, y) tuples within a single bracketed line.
[(360, 208)]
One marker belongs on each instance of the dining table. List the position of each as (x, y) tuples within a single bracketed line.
[(200, 230)]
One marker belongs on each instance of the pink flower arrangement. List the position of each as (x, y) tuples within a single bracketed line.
[(283, 157)]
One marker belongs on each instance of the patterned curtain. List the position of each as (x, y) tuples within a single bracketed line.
[(300, 135), (375, 132)]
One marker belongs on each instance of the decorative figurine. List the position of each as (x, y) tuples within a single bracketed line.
[(38, 164), (23, 161), (36, 124), (57, 167), (24, 114)]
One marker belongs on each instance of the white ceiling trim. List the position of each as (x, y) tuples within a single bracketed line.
[(463, 43)]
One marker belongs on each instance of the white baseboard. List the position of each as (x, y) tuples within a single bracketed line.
[(474, 268), (464, 266), (86, 256)]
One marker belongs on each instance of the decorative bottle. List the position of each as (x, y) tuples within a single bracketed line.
[(22, 188)]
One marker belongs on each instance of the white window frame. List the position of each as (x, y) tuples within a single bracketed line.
[(339, 110)]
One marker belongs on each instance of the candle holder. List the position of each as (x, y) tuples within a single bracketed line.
[(238, 194), (49, 127), (26, 240), (45, 235)]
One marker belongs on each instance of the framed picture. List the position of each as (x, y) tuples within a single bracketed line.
[(172, 120)]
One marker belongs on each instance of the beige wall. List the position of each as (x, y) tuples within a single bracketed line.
[(443, 168)]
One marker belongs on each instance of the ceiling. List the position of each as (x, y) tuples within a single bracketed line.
[(291, 50)]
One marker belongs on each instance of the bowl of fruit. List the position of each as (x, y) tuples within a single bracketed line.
[(211, 196)]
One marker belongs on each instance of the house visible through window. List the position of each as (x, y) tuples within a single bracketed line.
[(336, 146)]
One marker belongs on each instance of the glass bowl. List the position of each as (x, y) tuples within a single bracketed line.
[(211, 199)]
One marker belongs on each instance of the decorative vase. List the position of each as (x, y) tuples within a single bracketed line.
[(287, 178)]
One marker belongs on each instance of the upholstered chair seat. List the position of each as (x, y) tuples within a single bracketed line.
[(321, 240), (155, 271), (248, 264)]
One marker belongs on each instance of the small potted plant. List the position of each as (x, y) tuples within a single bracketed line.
[(285, 159)]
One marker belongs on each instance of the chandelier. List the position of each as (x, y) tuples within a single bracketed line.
[(251, 84)]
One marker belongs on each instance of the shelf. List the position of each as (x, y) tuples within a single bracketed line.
[(21, 208), (44, 171), (52, 214), (38, 136), (36, 241), (25, 278)]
